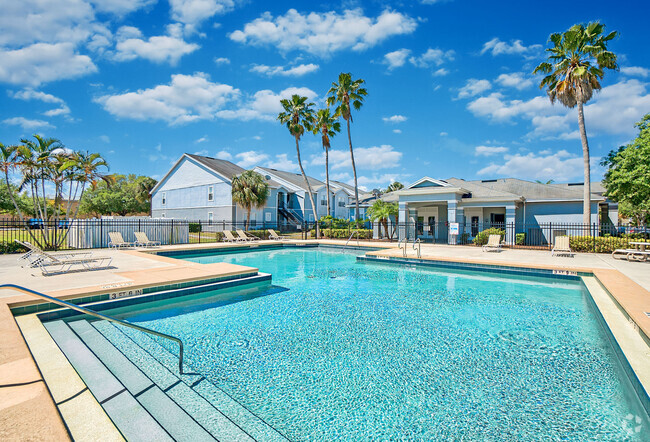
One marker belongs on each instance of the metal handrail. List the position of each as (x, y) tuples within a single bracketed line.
[(99, 315), (353, 233), (419, 249), (399, 245)]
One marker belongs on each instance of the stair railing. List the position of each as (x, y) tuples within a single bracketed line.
[(101, 316)]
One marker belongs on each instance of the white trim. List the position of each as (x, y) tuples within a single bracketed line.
[(431, 180)]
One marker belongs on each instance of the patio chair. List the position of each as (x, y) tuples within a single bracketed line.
[(623, 253), (117, 241), (493, 244), (229, 237), (52, 264), (562, 246), (275, 237), (35, 253), (245, 237), (141, 239)]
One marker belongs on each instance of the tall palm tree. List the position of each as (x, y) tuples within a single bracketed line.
[(249, 189), (86, 169), (298, 115), (327, 125), (382, 211), (348, 93), (573, 71)]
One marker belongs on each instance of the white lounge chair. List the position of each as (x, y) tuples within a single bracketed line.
[(245, 237), (229, 237), (117, 241), (52, 264), (275, 237), (141, 239), (35, 253), (493, 244), (562, 246)]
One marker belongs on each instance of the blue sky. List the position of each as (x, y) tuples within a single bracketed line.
[(450, 86)]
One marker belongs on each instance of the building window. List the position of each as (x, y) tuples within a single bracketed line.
[(210, 193), (162, 216), (267, 216), (311, 217), (210, 217), (323, 202), (164, 198), (341, 203)]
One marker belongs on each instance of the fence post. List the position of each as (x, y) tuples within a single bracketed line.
[(594, 238), (101, 233)]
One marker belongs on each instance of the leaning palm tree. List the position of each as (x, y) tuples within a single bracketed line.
[(327, 125), (573, 71), (249, 189), (348, 93), (394, 186), (298, 116)]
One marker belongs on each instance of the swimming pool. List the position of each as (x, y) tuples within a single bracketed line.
[(340, 349)]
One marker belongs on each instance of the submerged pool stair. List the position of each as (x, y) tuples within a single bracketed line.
[(137, 382)]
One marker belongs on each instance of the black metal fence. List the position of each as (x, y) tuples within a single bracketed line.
[(94, 233)]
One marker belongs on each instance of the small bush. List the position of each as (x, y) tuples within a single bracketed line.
[(600, 244), (195, 227), (343, 233), (11, 247), (482, 237), (520, 239), (258, 233)]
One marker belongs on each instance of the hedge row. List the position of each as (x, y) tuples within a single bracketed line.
[(600, 244), (343, 233)]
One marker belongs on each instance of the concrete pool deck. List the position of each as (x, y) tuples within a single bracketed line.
[(27, 408)]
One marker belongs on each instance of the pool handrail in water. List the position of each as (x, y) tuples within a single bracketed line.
[(101, 316)]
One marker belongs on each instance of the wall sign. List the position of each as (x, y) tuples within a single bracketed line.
[(125, 294), (453, 228)]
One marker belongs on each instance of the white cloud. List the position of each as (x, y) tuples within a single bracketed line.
[(613, 110), (105, 138), (31, 94), (224, 155), (376, 157), (487, 151), (559, 166), (264, 105), (251, 158), (396, 58), (397, 131), (296, 71), (474, 87), (27, 124), (441, 72), (201, 140), (193, 12), (432, 57), (515, 80), (443, 134), (283, 162), (378, 181), (221, 60), (120, 7), (324, 33), (159, 49), (395, 119), (187, 98), (515, 47), (636, 71), (62, 110), (43, 63)]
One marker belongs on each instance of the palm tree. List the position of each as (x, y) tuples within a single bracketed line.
[(395, 185), (545, 182), (348, 93), (573, 71), (327, 125), (298, 116), (85, 169), (249, 189), (382, 211)]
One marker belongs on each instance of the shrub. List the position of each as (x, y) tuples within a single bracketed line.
[(343, 233), (482, 237), (599, 244), (195, 227), (11, 247), (520, 239)]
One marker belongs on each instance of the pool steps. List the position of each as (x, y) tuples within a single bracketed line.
[(136, 381)]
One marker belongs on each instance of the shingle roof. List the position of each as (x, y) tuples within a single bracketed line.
[(222, 167), (528, 189), (596, 187), (294, 178), (479, 190)]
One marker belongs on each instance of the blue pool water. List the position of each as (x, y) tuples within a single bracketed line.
[(344, 350)]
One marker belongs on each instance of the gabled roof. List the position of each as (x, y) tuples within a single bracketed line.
[(428, 182), (478, 190), (529, 190), (294, 179)]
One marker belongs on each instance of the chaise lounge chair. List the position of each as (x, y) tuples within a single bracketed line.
[(245, 237), (51, 263), (493, 244), (117, 241), (141, 239), (34, 253), (275, 237), (229, 237), (562, 246)]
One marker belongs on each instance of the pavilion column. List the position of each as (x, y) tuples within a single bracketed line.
[(454, 215), (403, 220), (510, 224)]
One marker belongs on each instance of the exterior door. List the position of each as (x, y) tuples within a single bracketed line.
[(419, 227), (433, 233), (475, 225)]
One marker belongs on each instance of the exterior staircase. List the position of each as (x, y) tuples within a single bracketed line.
[(137, 382)]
